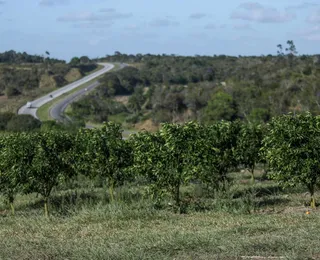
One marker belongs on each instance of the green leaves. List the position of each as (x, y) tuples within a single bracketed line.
[(249, 144), (103, 152), (292, 149)]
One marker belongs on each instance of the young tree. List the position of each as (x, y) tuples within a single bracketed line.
[(103, 152), (249, 144), (52, 163), (168, 158), (292, 150), (221, 139), (220, 107), (16, 155)]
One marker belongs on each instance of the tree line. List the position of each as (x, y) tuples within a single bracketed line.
[(170, 88), (164, 161)]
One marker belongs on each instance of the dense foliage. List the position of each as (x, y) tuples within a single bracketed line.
[(175, 156), (169, 88), (18, 57)]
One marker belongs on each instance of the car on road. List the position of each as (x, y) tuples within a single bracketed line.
[(29, 104)]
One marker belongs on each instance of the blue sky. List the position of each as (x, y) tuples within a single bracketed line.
[(95, 28)]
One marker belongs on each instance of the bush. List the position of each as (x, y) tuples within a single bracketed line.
[(23, 123)]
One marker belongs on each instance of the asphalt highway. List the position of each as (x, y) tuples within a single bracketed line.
[(32, 106)]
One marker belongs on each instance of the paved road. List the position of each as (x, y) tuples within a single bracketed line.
[(57, 111), (47, 98)]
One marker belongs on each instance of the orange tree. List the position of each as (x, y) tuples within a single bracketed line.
[(292, 148), (249, 143), (220, 151), (168, 158), (103, 152), (16, 154), (51, 164)]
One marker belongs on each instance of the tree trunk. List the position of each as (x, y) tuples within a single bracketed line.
[(111, 189), (177, 195), (12, 209), (46, 211), (313, 200), (11, 200), (252, 175)]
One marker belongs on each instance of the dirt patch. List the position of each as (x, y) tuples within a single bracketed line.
[(147, 125), (73, 75), (47, 81), (122, 99)]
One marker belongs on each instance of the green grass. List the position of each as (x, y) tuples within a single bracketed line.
[(43, 112), (84, 225)]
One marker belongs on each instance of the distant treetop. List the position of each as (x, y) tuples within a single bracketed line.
[(18, 57)]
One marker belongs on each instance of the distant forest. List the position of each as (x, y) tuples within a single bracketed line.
[(18, 57), (170, 88)]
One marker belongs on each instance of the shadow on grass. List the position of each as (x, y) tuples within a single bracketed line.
[(66, 203), (271, 201), (259, 191)]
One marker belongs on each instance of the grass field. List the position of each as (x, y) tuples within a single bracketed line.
[(267, 223)]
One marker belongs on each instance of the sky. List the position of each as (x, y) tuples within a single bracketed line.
[(95, 28)]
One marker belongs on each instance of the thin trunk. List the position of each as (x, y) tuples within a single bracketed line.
[(177, 194), (313, 200), (46, 211), (252, 174), (11, 200), (111, 189), (12, 208)]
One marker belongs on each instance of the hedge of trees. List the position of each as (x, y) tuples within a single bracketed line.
[(176, 155)]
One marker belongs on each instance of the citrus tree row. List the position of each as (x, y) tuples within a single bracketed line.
[(174, 156)]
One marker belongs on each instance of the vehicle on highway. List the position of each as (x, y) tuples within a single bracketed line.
[(29, 104)]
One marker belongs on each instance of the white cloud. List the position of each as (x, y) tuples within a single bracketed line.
[(210, 26), (314, 17), (163, 22), (246, 27), (92, 25), (53, 2), (252, 11), (197, 16), (103, 15), (311, 34), (302, 6)]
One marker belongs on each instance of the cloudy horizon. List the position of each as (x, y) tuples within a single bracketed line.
[(70, 28)]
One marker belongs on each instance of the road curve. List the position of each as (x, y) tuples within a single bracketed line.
[(47, 98), (57, 111)]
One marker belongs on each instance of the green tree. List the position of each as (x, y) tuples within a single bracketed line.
[(4, 119), (248, 146), (292, 150), (169, 158), (21, 123), (52, 163), (103, 152), (221, 138), (16, 155), (75, 61), (220, 107)]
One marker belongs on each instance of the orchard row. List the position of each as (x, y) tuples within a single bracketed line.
[(174, 156)]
